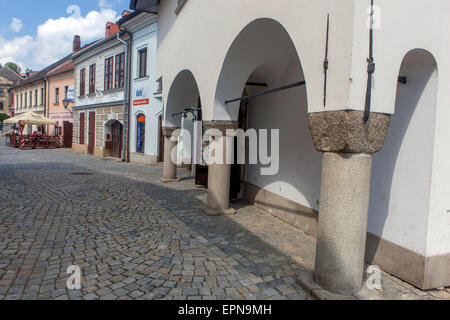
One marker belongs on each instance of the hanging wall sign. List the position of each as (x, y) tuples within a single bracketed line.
[(141, 96), (71, 93)]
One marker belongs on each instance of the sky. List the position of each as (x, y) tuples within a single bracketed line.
[(34, 34)]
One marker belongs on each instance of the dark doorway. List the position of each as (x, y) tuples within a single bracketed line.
[(68, 134), (161, 141), (91, 141), (116, 139), (82, 128), (140, 134), (237, 174)]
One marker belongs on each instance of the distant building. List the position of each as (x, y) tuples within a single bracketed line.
[(8, 78)]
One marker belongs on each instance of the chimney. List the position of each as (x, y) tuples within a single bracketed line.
[(76, 44), (111, 29)]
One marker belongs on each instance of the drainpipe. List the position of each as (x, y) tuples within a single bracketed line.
[(125, 145)]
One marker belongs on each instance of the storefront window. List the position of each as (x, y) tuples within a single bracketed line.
[(140, 146)]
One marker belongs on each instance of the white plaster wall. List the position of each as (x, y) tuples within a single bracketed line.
[(97, 56), (145, 37), (405, 25), (198, 39), (402, 171), (183, 94), (299, 174)]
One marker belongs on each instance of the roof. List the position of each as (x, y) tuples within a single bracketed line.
[(65, 68), (94, 45), (145, 5), (128, 17), (44, 72), (9, 74)]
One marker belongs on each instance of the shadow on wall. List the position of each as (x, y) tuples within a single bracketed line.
[(401, 172), (264, 52)]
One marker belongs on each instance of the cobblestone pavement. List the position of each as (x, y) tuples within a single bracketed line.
[(132, 236), (137, 238)]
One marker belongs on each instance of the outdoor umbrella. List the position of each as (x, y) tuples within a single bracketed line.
[(30, 118)]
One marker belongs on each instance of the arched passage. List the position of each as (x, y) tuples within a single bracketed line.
[(401, 176), (114, 136), (181, 111), (263, 57)]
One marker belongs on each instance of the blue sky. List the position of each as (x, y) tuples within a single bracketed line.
[(37, 33)]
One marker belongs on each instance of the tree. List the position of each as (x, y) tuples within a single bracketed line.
[(13, 66)]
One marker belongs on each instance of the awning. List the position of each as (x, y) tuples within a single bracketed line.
[(30, 118)]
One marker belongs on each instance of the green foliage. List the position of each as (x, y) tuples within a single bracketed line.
[(13, 66), (3, 117)]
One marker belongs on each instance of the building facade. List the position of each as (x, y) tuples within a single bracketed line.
[(145, 96), (362, 132), (8, 78), (61, 88), (30, 95), (99, 114)]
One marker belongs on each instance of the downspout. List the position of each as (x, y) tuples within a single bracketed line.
[(126, 144)]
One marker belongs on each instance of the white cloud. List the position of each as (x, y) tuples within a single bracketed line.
[(54, 38), (16, 25), (108, 3)]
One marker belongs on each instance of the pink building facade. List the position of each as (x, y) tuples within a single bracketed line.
[(60, 87)]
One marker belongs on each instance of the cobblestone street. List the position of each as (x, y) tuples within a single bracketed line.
[(136, 238), (132, 236)]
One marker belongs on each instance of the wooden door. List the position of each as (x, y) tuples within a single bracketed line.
[(161, 141), (116, 139), (82, 127), (91, 143), (68, 134)]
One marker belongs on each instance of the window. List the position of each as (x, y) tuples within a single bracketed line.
[(92, 78), (109, 73), (66, 92), (31, 98), (2, 94), (56, 95), (82, 82), (35, 97), (42, 96), (143, 63), (21, 101), (120, 70), (25, 96), (140, 134), (1, 106)]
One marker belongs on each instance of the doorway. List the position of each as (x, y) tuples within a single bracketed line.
[(68, 134), (161, 140), (116, 139), (237, 175), (91, 141), (140, 134)]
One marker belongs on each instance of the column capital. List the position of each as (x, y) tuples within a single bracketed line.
[(168, 131), (223, 126), (344, 131)]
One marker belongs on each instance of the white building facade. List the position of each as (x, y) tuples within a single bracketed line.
[(145, 93), (99, 110), (363, 144)]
